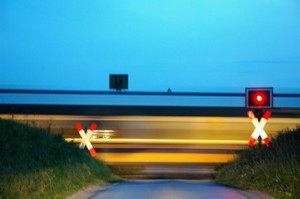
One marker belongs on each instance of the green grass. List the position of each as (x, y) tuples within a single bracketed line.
[(274, 170), (37, 164)]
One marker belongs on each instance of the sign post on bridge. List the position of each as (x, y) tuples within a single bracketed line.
[(258, 102)]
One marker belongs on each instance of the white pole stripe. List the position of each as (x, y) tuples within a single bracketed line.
[(263, 134), (89, 134), (86, 137)]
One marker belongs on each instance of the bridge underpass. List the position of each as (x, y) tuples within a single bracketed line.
[(156, 140)]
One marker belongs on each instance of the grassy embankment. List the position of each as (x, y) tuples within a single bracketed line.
[(37, 164), (274, 170)]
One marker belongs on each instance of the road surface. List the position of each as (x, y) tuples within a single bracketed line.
[(166, 189)]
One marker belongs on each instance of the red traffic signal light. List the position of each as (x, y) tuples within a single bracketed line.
[(259, 98)]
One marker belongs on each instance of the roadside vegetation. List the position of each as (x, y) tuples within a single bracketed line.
[(37, 164), (274, 170)]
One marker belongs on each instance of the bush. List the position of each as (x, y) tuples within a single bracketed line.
[(274, 170), (37, 164)]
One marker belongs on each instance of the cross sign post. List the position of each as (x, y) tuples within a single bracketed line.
[(86, 138), (259, 128), (259, 100)]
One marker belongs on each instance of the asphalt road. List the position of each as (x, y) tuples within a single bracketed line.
[(166, 189)]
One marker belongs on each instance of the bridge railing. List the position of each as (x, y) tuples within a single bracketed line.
[(126, 98)]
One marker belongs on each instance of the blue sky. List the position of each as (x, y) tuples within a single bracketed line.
[(194, 45)]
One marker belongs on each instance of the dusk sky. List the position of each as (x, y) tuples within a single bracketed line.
[(193, 45)]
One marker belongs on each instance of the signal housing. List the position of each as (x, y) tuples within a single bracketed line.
[(259, 98)]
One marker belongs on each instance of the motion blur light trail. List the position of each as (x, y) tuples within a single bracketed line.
[(165, 158), (160, 139), (178, 155)]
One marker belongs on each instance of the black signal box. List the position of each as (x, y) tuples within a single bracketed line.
[(259, 98)]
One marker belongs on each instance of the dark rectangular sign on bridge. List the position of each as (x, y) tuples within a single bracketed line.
[(118, 82)]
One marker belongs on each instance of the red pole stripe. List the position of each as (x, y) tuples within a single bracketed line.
[(267, 115), (78, 126), (251, 115), (93, 126), (251, 141), (267, 141), (92, 152)]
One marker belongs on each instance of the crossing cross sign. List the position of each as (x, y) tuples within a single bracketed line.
[(259, 128), (86, 137)]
